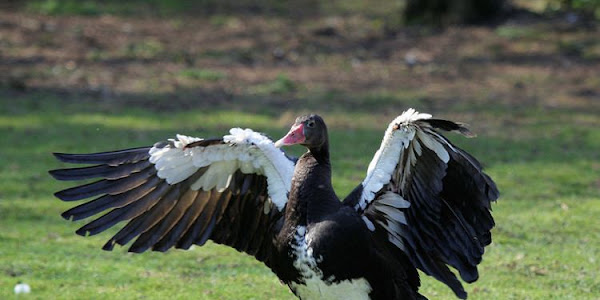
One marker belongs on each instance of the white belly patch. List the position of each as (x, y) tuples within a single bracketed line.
[(317, 287)]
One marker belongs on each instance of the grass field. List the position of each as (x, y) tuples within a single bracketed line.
[(83, 84)]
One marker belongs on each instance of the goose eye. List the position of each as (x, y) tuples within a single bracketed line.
[(310, 124)]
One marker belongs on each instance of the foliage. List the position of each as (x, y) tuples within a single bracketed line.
[(587, 7), (590, 6)]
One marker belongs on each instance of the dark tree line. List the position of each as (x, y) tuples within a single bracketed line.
[(443, 12)]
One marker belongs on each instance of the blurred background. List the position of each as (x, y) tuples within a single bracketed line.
[(87, 76)]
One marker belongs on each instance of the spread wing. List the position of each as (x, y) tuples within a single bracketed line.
[(428, 198), (184, 191)]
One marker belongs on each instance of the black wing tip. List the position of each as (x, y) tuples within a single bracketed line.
[(82, 232), (446, 125), (469, 274), (161, 249), (184, 244), (56, 174), (74, 215), (134, 249), (109, 246), (457, 288), (107, 157), (60, 195), (64, 174), (67, 216), (464, 130), (67, 195), (64, 157)]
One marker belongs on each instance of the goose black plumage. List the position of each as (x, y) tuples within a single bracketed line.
[(424, 204)]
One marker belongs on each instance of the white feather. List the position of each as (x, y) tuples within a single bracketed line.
[(178, 159), (397, 137), (394, 200), (434, 145), (394, 232), (409, 116), (368, 222), (216, 176), (184, 140), (244, 149), (416, 146), (174, 176), (246, 167)]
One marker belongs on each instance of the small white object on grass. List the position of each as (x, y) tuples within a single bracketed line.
[(22, 288)]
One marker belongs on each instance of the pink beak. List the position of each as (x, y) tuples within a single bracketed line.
[(295, 136)]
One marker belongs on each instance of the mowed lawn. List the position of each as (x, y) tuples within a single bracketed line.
[(546, 242)]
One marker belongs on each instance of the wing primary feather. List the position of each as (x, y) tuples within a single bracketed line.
[(99, 171), (210, 218), (224, 203), (123, 236), (110, 158), (150, 237), (257, 245), (123, 213), (243, 241), (108, 201), (105, 186), (256, 232), (192, 232), (152, 217), (187, 220), (145, 219), (449, 126), (231, 224), (200, 241), (164, 228)]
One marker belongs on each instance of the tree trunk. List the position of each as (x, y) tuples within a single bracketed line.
[(444, 12)]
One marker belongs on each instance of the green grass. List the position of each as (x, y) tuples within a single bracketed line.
[(282, 84), (202, 74), (171, 7), (546, 163)]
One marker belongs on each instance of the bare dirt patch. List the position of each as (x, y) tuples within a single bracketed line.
[(543, 63)]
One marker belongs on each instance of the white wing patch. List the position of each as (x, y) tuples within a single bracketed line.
[(401, 135), (217, 176), (397, 137), (404, 137), (434, 145), (244, 149)]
